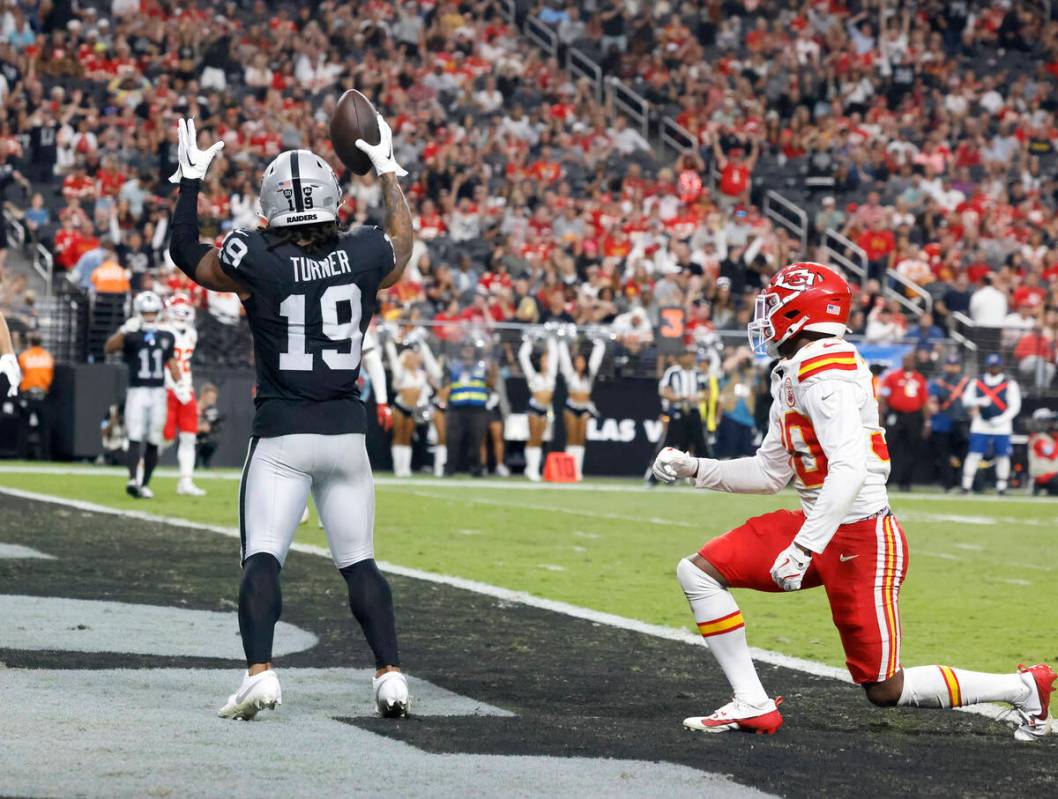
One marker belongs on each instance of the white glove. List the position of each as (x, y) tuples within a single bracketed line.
[(9, 368), (192, 161), (381, 154), (789, 568), (132, 324), (671, 464), (183, 394)]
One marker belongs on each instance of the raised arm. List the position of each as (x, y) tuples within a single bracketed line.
[(397, 221), (397, 224), (433, 368), (524, 359), (565, 362), (199, 261), (598, 352), (552, 359), (395, 366)]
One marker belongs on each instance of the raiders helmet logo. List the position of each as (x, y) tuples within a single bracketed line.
[(797, 279)]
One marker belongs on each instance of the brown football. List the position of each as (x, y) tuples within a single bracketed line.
[(354, 118)]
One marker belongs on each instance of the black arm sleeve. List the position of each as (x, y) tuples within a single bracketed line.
[(184, 247)]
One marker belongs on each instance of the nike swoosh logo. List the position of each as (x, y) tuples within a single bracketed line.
[(828, 396), (844, 558)]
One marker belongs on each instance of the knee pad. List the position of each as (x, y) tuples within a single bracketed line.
[(696, 583)]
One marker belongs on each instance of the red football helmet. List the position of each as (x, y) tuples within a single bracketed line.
[(801, 296), (180, 312)]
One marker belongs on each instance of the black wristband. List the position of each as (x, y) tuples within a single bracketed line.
[(184, 247)]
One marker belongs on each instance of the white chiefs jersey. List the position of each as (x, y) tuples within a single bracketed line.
[(186, 340), (823, 436)]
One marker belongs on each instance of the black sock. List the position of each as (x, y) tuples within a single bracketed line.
[(260, 605), (150, 460), (134, 459), (372, 605)]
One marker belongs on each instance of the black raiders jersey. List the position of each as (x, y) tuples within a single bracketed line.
[(146, 353), (308, 314)]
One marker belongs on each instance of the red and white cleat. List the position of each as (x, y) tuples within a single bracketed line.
[(762, 719), (1033, 711)]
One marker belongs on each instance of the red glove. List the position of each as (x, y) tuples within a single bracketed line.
[(385, 416)]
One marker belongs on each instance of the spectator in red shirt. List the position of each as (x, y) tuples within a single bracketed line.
[(904, 395), (735, 173), (877, 241)]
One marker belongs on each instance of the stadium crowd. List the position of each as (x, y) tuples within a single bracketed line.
[(533, 202)]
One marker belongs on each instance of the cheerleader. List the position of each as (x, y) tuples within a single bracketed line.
[(579, 373), (409, 387), (542, 389), (438, 405)]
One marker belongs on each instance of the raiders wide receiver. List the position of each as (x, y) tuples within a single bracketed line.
[(309, 291), (149, 351)]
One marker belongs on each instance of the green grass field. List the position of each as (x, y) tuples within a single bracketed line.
[(980, 592)]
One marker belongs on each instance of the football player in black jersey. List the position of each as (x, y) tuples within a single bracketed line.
[(148, 350), (309, 290)]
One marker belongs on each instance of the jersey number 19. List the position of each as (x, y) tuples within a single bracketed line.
[(296, 359)]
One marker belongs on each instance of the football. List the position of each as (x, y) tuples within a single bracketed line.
[(354, 118)]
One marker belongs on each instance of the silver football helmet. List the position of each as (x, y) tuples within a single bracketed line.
[(299, 188), (147, 302)]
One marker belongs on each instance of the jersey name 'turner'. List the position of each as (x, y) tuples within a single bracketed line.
[(308, 313), (146, 352)]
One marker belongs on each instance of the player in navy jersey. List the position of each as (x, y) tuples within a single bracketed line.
[(148, 351), (309, 291)]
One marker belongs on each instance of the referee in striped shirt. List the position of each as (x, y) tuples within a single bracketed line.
[(683, 388)]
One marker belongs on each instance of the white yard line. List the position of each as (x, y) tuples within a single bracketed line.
[(504, 503), (521, 597)]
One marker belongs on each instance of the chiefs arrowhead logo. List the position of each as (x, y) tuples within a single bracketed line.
[(797, 279)]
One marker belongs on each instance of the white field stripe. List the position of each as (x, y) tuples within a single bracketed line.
[(633, 486), (521, 597), (556, 509)]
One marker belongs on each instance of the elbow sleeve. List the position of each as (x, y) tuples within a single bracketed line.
[(184, 247)]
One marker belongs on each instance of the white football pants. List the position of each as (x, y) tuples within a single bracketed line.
[(145, 412), (276, 479)]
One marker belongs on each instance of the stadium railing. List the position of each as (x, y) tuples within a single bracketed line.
[(673, 136), (788, 214), (578, 64), (541, 35)]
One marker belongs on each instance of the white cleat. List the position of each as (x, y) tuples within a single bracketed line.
[(259, 692), (1032, 711), (391, 695), (762, 719), (304, 515), (533, 477), (189, 489), (502, 470), (146, 493)]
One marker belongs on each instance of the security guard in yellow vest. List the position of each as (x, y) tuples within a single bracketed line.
[(467, 417)]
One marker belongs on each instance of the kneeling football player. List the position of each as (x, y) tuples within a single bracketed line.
[(824, 435)]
